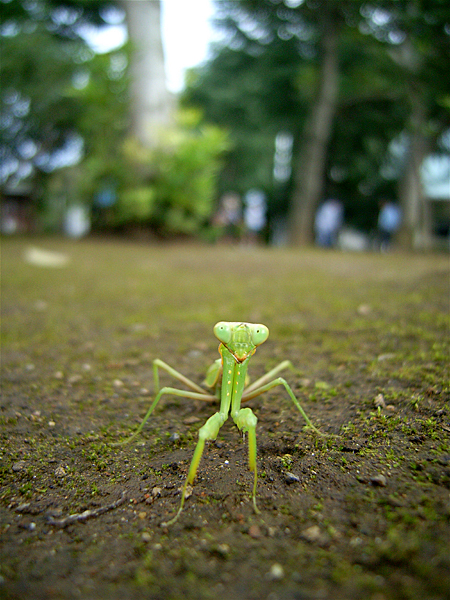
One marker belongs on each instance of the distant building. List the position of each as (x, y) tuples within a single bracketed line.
[(436, 186), (17, 214)]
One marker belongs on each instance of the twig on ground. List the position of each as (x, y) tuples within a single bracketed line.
[(87, 514)]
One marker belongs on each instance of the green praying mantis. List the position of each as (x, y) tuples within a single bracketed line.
[(227, 377)]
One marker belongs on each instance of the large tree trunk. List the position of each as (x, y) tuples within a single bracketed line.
[(310, 172), (416, 227), (151, 103)]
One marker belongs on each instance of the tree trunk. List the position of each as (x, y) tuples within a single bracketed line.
[(416, 227), (310, 173), (151, 103)]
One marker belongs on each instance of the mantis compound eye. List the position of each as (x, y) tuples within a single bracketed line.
[(260, 333), (222, 331)]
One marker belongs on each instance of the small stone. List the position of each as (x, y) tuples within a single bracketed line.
[(74, 379), (58, 375), (146, 537), (87, 367), (312, 534), (254, 532), (379, 480), (51, 423), (19, 466), (142, 515), (144, 391), (60, 471), (223, 550), (118, 383), (174, 437), (364, 309), (291, 478), (387, 356), (276, 572), (191, 420)]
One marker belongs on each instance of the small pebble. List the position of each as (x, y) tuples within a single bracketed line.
[(118, 383), (174, 437), (142, 515), (276, 572), (51, 423), (291, 478), (364, 309), (387, 356), (19, 466), (191, 420), (254, 531), (379, 480), (60, 471), (58, 375), (146, 537), (312, 534)]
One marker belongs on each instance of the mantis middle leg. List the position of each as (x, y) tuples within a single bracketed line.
[(286, 364), (170, 392), (160, 364), (280, 381)]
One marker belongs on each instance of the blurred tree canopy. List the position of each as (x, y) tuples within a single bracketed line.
[(360, 86), (347, 79), (67, 124)]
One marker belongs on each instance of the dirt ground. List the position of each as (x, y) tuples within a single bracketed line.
[(363, 513)]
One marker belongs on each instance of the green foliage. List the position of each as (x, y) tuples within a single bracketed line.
[(263, 79), (172, 187), (42, 56)]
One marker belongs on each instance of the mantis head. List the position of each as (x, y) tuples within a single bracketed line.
[(241, 339)]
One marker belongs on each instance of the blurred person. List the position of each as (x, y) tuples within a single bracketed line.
[(328, 221), (389, 221), (229, 216), (254, 215)]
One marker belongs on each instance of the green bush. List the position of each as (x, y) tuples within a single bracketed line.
[(172, 187)]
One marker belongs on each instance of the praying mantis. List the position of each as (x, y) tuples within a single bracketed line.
[(227, 377)]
